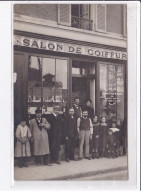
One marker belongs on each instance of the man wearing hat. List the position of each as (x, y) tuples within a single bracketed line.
[(55, 135), (38, 127)]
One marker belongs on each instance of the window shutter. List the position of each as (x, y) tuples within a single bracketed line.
[(64, 14), (101, 18), (114, 18), (125, 20)]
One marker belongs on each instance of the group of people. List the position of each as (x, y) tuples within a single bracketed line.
[(79, 128)]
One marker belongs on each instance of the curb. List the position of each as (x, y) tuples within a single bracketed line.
[(91, 173)]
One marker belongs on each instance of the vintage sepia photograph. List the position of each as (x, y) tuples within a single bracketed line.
[(70, 88)]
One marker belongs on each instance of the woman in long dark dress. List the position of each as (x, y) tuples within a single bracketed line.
[(96, 138), (103, 136)]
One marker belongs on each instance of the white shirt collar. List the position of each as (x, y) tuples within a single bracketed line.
[(54, 114)]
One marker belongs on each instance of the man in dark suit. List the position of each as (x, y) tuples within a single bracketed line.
[(55, 135), (70, 134), (77, 108)]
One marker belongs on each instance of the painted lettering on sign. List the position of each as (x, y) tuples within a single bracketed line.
[(68, 48)]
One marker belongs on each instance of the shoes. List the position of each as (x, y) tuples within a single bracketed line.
[(67, 160), (75, 159), (79, 158), (25, 165), (88, 158), (57, 162)]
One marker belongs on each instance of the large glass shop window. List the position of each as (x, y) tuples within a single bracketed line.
[(47, 83), (112, 91)]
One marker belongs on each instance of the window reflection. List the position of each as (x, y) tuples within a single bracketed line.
[(47, 83), (34, 79), (111, 91)]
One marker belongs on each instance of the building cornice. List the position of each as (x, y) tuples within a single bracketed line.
[(51, 28)]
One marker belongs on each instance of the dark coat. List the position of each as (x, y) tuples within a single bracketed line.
[(55, 136), (103, 136), (111, 141), (70, 127), (96, 135), (55, 132), (77, 111)]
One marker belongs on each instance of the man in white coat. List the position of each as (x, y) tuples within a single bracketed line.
[(38, 127)]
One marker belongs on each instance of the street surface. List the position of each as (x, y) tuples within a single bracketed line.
[(96, 169)]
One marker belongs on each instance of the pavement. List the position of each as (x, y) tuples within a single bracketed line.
[(95, 169)]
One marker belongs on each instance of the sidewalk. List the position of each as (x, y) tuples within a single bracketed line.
[(72, 170)]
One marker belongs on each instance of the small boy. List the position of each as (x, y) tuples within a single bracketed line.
[(22, 149), (111, 143)]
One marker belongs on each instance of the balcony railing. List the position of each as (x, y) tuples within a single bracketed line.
[(82, 23)]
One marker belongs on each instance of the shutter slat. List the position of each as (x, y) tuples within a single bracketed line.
[(100, 19), (64, 15)]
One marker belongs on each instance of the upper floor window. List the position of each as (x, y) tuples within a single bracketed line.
[(110, 18), (80, 16)]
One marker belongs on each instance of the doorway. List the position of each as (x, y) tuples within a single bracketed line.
[(83, 81)]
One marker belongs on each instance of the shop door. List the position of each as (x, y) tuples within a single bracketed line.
[(19, 93)]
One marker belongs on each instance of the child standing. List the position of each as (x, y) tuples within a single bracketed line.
[(95, 138), (120, 143), (22, 149), (111, 143), (103, 136), (116, 133)]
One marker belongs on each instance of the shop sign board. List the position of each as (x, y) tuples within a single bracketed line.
[(68, 48)]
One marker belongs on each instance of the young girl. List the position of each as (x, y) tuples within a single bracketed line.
[(103, 136), (120, 142), (22, 149), (96, 137)]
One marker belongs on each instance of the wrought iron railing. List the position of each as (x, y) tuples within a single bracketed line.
[(82, 23)]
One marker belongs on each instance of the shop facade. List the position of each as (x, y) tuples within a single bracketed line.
[(53, 69)]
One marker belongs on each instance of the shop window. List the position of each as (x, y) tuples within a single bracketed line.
[(110, 18), (112, 91), (80, 16), (46, 85)]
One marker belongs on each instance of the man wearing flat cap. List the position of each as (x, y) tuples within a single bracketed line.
[(39, 127), (55, 135)]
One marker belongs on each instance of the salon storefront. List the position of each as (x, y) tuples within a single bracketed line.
[(53, 71)]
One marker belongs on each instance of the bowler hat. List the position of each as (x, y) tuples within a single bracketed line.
[(38, 110)]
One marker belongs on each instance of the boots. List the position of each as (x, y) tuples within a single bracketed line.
[(46, 160), (109, 155), (93, 155), (24, 162), (113, 155)]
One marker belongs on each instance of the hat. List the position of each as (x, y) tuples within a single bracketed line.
[(38, 110), (23, 119)]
